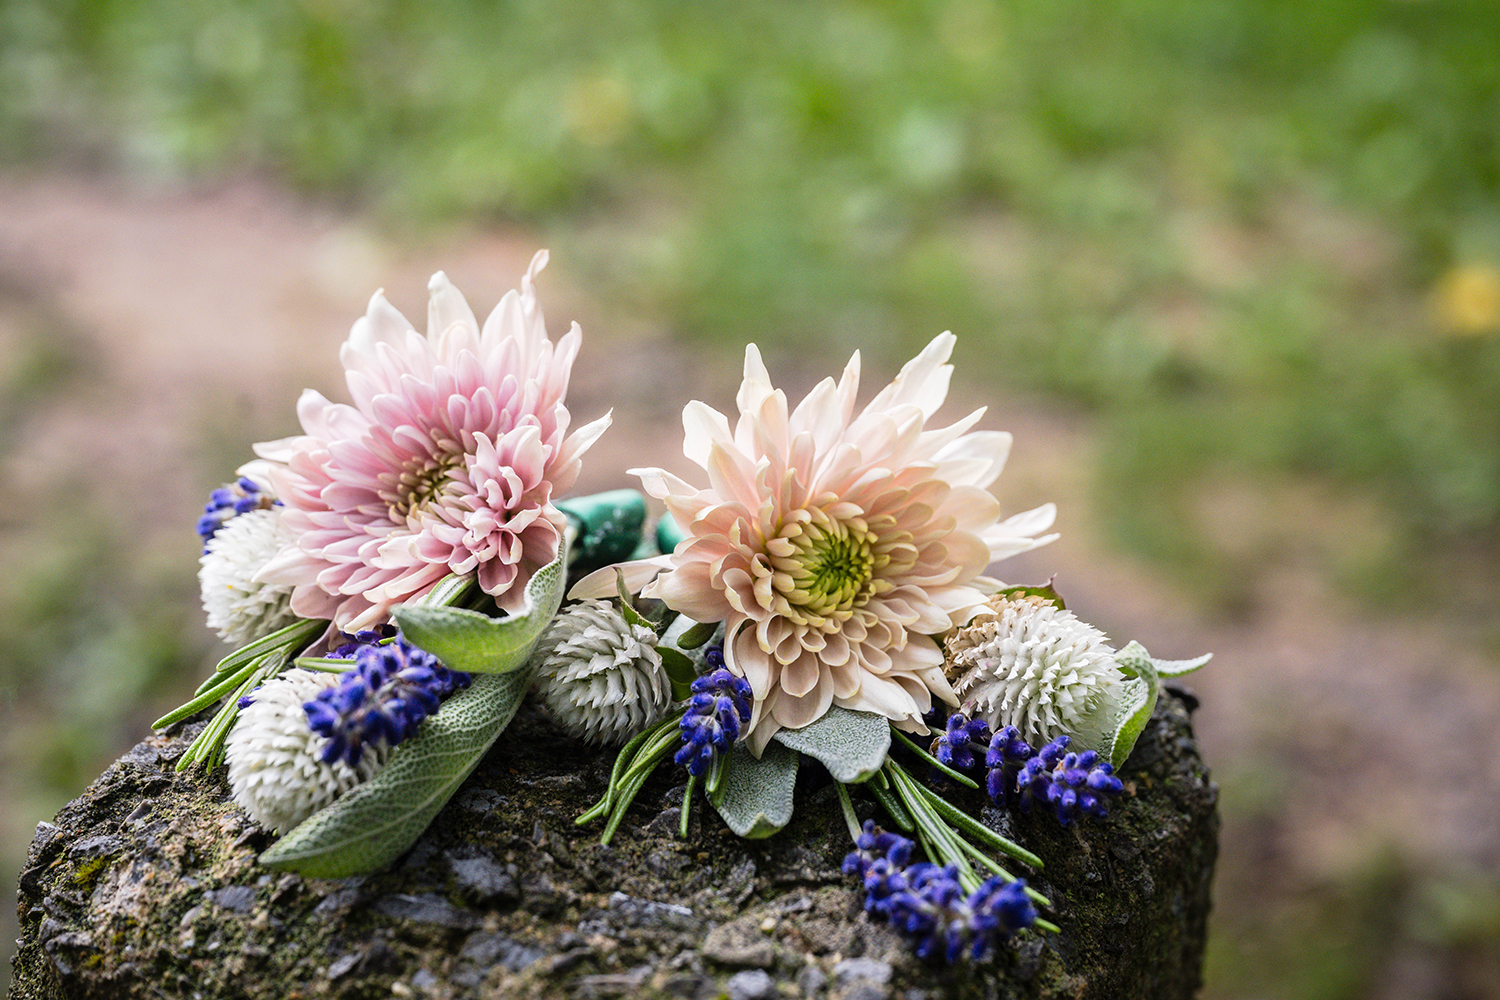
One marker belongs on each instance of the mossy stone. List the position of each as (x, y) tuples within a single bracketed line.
[(147, 886)]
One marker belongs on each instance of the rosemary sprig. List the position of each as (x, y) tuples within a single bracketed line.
[(236, 675), (962, 779), (634, 765), (297, 634), (935, 821)]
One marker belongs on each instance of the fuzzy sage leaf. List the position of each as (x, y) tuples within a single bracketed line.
[(852, 745), (478, 644), (1132, 703), (375, 823), (755, 795), (1176, 668)]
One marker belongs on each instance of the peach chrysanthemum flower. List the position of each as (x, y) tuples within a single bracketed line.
[(834, 545), (447, 462)]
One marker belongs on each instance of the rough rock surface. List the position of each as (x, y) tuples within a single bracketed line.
[(147, 886)]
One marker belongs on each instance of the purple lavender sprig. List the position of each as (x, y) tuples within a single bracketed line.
[(878, 859), (383, 697), (352, 644), (1072, 784), (1006, 755), (927, 902), (956, 746), (718, 708), (239, 497)]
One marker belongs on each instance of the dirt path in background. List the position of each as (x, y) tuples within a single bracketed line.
[(1336, 734)]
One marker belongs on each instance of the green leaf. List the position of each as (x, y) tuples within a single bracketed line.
[(658, 746), (1133, 660), (451, 590), (678, 633), (1137, 701), (1176, 668), (378, 821), (678, 665), (716, 769), (755, 796), (697, 634), (933, 762), (223, 684), (293, 636), (1133, 706), (852, 745), (327, 664), (1046, 592), (627, 608), (478, 644)]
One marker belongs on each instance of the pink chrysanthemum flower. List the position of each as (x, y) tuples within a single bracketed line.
[(447, 462), (834, 545)]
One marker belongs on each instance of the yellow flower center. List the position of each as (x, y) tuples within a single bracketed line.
[(824, 568), (421, 483)]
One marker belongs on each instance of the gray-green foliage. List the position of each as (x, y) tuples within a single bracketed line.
[(755, 797), (375, 823), (479, 644), (851, 745), (1127, 709)]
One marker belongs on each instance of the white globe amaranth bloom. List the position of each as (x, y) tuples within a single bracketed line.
[(1030, 664), (601, 676), (276, 771), (240, 608)]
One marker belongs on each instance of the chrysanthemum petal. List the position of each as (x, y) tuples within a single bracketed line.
[(923, 381), (448, 461), (382, 323), (834, 544), (451, 326), (1015, 534), (602, 582)]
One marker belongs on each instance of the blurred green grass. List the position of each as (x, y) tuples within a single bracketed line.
[(1261, 238), (1257, 243)]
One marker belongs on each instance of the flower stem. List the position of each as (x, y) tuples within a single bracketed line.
[(208, 748), (889, 802), (623, 758), (850, 819), (628, 791), (716, 771), (962, 779), (937, 837), (294, 636), (687, 805), (645, 753), (974, 828), (221, 686), (994, 866), (327, 664)]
